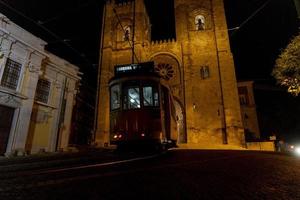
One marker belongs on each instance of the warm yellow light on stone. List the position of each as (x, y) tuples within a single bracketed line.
[(198, 100)]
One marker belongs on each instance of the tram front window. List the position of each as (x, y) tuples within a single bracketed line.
[(115, 97), (132, 98), (150, 95)]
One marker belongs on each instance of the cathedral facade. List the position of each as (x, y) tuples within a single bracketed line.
[(197, 67)]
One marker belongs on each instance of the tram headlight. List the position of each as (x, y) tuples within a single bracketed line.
[(143, 134), (117, 136)]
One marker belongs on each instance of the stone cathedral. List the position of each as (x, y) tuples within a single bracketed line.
[(197, 67)]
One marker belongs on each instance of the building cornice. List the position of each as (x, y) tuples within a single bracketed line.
[(23, 42)]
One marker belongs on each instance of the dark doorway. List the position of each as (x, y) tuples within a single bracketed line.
[(6, 118)]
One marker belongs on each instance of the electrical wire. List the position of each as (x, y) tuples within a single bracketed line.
[(63, 41), (65, 12), (58, 38), (124, 31), (250, 17)]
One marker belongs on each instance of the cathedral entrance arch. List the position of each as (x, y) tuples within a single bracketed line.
[(180, 122), (168, 67)]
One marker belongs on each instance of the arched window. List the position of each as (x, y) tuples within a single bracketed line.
[(200, 22), (126, 36)]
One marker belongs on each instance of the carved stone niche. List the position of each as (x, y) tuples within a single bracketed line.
[(32, 68), (58, 84), (199, 13)]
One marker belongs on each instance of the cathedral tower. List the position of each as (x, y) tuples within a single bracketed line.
[(197, 68)]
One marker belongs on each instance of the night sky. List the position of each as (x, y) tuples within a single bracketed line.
[(75, 33)]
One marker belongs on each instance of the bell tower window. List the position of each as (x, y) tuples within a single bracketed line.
[(200, 22)]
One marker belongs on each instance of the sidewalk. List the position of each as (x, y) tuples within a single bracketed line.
[(62, 159), (83, 157)]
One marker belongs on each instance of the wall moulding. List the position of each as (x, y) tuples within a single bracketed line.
[(10, 100)]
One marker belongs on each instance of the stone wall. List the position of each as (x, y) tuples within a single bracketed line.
[(261, 146)]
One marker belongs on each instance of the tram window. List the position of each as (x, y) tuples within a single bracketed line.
[(148, 98), (132, 98), (150, 95), (155, 94), (115, 97)]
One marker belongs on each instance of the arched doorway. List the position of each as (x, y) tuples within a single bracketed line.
[(167, 66)]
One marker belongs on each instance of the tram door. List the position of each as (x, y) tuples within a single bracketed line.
[(6, 118), (166, 121)]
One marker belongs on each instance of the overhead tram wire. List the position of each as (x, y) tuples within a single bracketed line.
[(56, 37), (250, 17), (53, 35), (68, 11), (124, 31), (81, 55), (133, 32)]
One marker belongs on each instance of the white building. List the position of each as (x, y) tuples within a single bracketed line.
[(37, 92)]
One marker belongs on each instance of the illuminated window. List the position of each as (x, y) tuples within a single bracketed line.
[(115, 97), (132, 98), (42, 91), (156, 102), (150, 95), (200, 22), (11, 74), (204, 72)]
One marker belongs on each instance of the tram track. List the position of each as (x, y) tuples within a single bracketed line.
[(36, 177), (55, 176)]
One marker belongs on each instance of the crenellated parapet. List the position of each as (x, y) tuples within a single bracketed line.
[(124, 3), (166, 45), (164, 42)]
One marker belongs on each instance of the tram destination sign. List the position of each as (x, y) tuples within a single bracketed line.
[(144, 67)]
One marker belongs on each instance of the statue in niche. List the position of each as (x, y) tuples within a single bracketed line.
[(200, 22)]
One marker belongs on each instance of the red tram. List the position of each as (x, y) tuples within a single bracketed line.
[(139, 106)]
